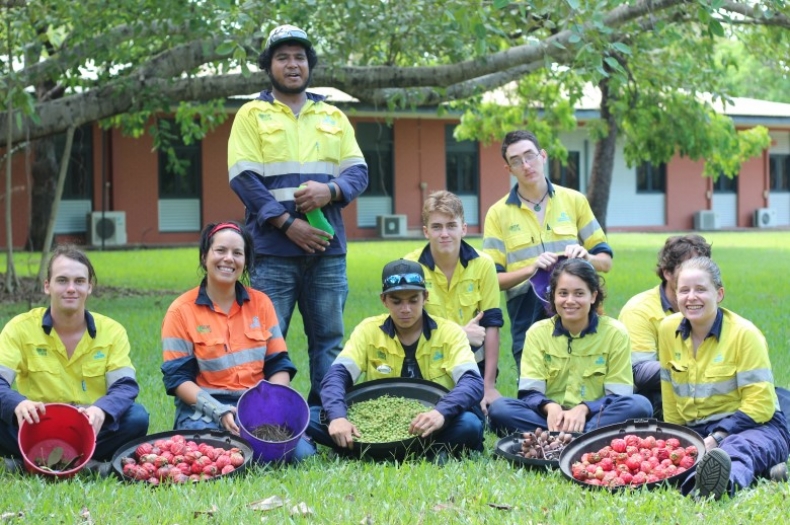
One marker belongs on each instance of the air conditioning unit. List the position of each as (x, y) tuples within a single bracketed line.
[(108, 227), (391, 225), (706, 220), (764, 218)]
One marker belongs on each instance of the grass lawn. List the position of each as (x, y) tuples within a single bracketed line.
[(754, 266)]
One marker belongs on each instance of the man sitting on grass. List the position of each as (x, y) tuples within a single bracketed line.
[(407, 343), (66, 354)]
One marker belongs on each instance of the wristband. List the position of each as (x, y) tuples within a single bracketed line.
[(287, 224), (332, 192), (718, 437)]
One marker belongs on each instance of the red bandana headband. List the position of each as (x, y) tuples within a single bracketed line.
[(223, 226)]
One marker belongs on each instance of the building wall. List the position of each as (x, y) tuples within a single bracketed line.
[(687, 192)]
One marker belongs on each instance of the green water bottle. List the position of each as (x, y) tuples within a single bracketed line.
[(317, 219)]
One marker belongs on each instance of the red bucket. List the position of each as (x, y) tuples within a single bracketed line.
[(64, 427)]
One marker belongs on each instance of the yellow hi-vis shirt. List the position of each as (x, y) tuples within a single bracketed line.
[(443, 358), (513, 237), (641, 315), (582, 369), (731, 371), (42, 369)]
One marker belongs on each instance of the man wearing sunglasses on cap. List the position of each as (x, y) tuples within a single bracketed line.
[(406, 342), (290, 153)]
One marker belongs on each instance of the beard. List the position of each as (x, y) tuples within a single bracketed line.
[(290, 90)]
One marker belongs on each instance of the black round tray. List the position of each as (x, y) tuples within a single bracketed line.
[(427, 392), (507, 447), (599, 438), (215, 438)]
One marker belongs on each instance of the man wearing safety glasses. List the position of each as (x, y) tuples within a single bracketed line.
[(289, 154), (531, 227), (406, 342)]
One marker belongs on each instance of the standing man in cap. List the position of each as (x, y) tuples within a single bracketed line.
[(406, 342), (66, 354), (291, 153)]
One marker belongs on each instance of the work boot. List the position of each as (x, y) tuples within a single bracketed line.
[(713, 474), (779, 472)]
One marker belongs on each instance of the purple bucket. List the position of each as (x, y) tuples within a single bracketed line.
[(541, 282), (271, 404)]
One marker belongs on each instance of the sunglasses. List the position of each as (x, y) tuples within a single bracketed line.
[(290, 33), (401, 279)]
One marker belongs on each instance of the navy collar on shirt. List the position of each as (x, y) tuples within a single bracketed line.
[(428, 326), (684, 328), (267, 96), (204, 300), (560, 330), (514, 199), (47, 323), (466, 254), (665, 304)]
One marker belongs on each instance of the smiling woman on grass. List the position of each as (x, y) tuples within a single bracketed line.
[(576, 366), (221, 338)]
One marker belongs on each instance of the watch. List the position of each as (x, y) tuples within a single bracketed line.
[(718, 437)]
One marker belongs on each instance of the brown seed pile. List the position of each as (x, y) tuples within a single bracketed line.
[(543, 445), (272, 433)]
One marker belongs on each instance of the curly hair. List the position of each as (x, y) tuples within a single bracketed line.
[(677, 249)]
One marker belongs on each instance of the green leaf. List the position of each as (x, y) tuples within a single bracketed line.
[(622, 48), (574, 38), (501, 4), (54, 457), (715, 27), (574, 4), (225, 48)]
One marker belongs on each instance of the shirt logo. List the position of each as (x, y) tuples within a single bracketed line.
[(41, 351), (256, 323), (677, 355), (381, 355), (563, 217), (583, 391), (264, 116), (99, 355), (515, 228), (203, 329), (383, 369), (718, 359), (437, 355), (600, 360), (470, 287)]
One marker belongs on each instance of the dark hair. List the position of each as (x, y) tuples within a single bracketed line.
[(72, 252), (677, 249), (518, 136), (212, 229), (265, 58), (584, 271)]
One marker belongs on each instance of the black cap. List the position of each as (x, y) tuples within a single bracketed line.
[(402, 275)]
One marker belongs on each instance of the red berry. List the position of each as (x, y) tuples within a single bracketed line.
[(687, 462), (236, 459), (660, 443), (222, 461), (692, 451), (626, 478), (142, 449), (673, 442), (618, 445), (631, 440), (227, 469), (646, 467), (662, 453), (153, 481), (211, 470)]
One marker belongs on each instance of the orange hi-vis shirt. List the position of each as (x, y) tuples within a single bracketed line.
[(222, 353)]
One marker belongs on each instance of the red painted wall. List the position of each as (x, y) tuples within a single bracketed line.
[(687, 193)]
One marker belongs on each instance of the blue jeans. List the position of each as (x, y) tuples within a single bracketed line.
[(133, 425), (507, 415), (319, 286)]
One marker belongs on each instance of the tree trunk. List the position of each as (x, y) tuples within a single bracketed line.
[(45, 176), (603, 160)]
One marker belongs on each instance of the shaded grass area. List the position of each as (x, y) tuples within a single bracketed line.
[(340, 491)]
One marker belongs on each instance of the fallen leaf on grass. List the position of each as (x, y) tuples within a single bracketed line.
[(270, 503), (85, 514), (210, 513), (301, 509), (442, 506), (499, 506), (8, 516), (367, 520)]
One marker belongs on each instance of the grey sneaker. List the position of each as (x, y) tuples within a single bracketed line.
[(713, 474), (778, 472)]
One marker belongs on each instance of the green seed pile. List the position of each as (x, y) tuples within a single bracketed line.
[(384, 419)]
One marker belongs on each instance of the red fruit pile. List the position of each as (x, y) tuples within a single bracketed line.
[(177, 460), (632, 460)]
